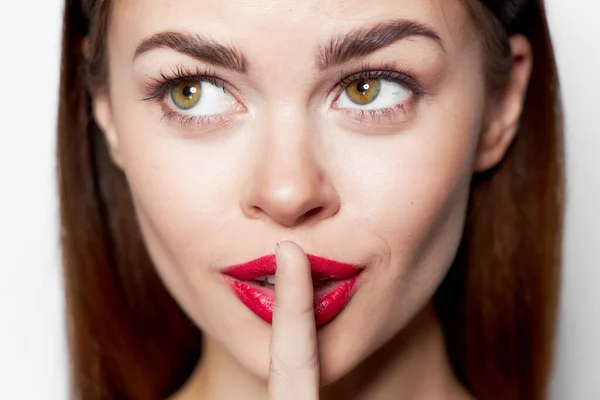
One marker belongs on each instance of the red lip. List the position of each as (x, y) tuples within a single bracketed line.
[(329, 301)]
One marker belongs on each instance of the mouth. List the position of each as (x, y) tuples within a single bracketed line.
[(334, 284)]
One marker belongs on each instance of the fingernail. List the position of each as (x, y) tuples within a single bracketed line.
[(279, 256), (277, 251)]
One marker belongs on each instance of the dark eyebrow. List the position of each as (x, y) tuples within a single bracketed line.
[(364, 41), (195, 46)]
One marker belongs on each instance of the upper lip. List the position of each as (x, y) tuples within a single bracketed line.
[(321, 268)]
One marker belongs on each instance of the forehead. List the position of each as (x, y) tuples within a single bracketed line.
[(270, 24)]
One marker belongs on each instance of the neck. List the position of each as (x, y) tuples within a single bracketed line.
[(412, 365)]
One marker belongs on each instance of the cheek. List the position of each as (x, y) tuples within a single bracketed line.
[(411, 192), (186, 195), (187, 189), (410, 187), (184, 188), (185, 192)]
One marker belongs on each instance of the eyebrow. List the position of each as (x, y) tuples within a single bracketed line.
[(195, 46), (364, 41), (354, 44)]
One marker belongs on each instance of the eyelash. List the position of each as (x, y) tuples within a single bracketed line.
[(157, 89), (389, 72)]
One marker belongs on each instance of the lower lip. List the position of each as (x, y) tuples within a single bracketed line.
[(328, 303)]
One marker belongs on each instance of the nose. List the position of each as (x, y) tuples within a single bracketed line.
[(289, 187)]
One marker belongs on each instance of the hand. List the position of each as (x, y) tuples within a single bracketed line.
[(294, 370)]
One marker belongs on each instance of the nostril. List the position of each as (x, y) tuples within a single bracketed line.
[(293, 218), (290, 204), (256, 211), (311, 213)]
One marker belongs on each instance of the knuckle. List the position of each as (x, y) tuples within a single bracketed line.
[(292, 308), (276, 366), (312, 362), (307, 311), (303, 312), (281, 367), (277, 371)]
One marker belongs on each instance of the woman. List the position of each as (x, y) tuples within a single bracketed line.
[(406, 155)]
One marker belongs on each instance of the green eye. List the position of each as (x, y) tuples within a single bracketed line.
[(363, 91), (186, 94)]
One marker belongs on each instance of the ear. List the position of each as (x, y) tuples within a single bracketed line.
[(504, 111), (103, 115)]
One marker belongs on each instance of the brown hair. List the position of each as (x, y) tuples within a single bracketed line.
[(128, 338)]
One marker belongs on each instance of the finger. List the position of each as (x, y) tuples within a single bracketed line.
[(294, 371)]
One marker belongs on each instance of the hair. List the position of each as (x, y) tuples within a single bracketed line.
[(127, 336)]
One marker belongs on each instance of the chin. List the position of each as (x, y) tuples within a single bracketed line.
[(344, 343), (245, 339), (336, 358)]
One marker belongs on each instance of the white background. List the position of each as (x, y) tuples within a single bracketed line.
[(32, 348)]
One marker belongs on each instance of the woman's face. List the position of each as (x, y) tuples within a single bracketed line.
[(349, 128)]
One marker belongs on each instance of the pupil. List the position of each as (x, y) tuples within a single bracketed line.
[(363, 87), (189, 91)]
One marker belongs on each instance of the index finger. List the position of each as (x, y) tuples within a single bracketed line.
[(294, 369)]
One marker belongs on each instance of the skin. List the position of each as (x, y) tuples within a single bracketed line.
[(387, 193)]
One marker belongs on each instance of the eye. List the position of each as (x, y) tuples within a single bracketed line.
[(186, 95), (373, 94), (200, 98)]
